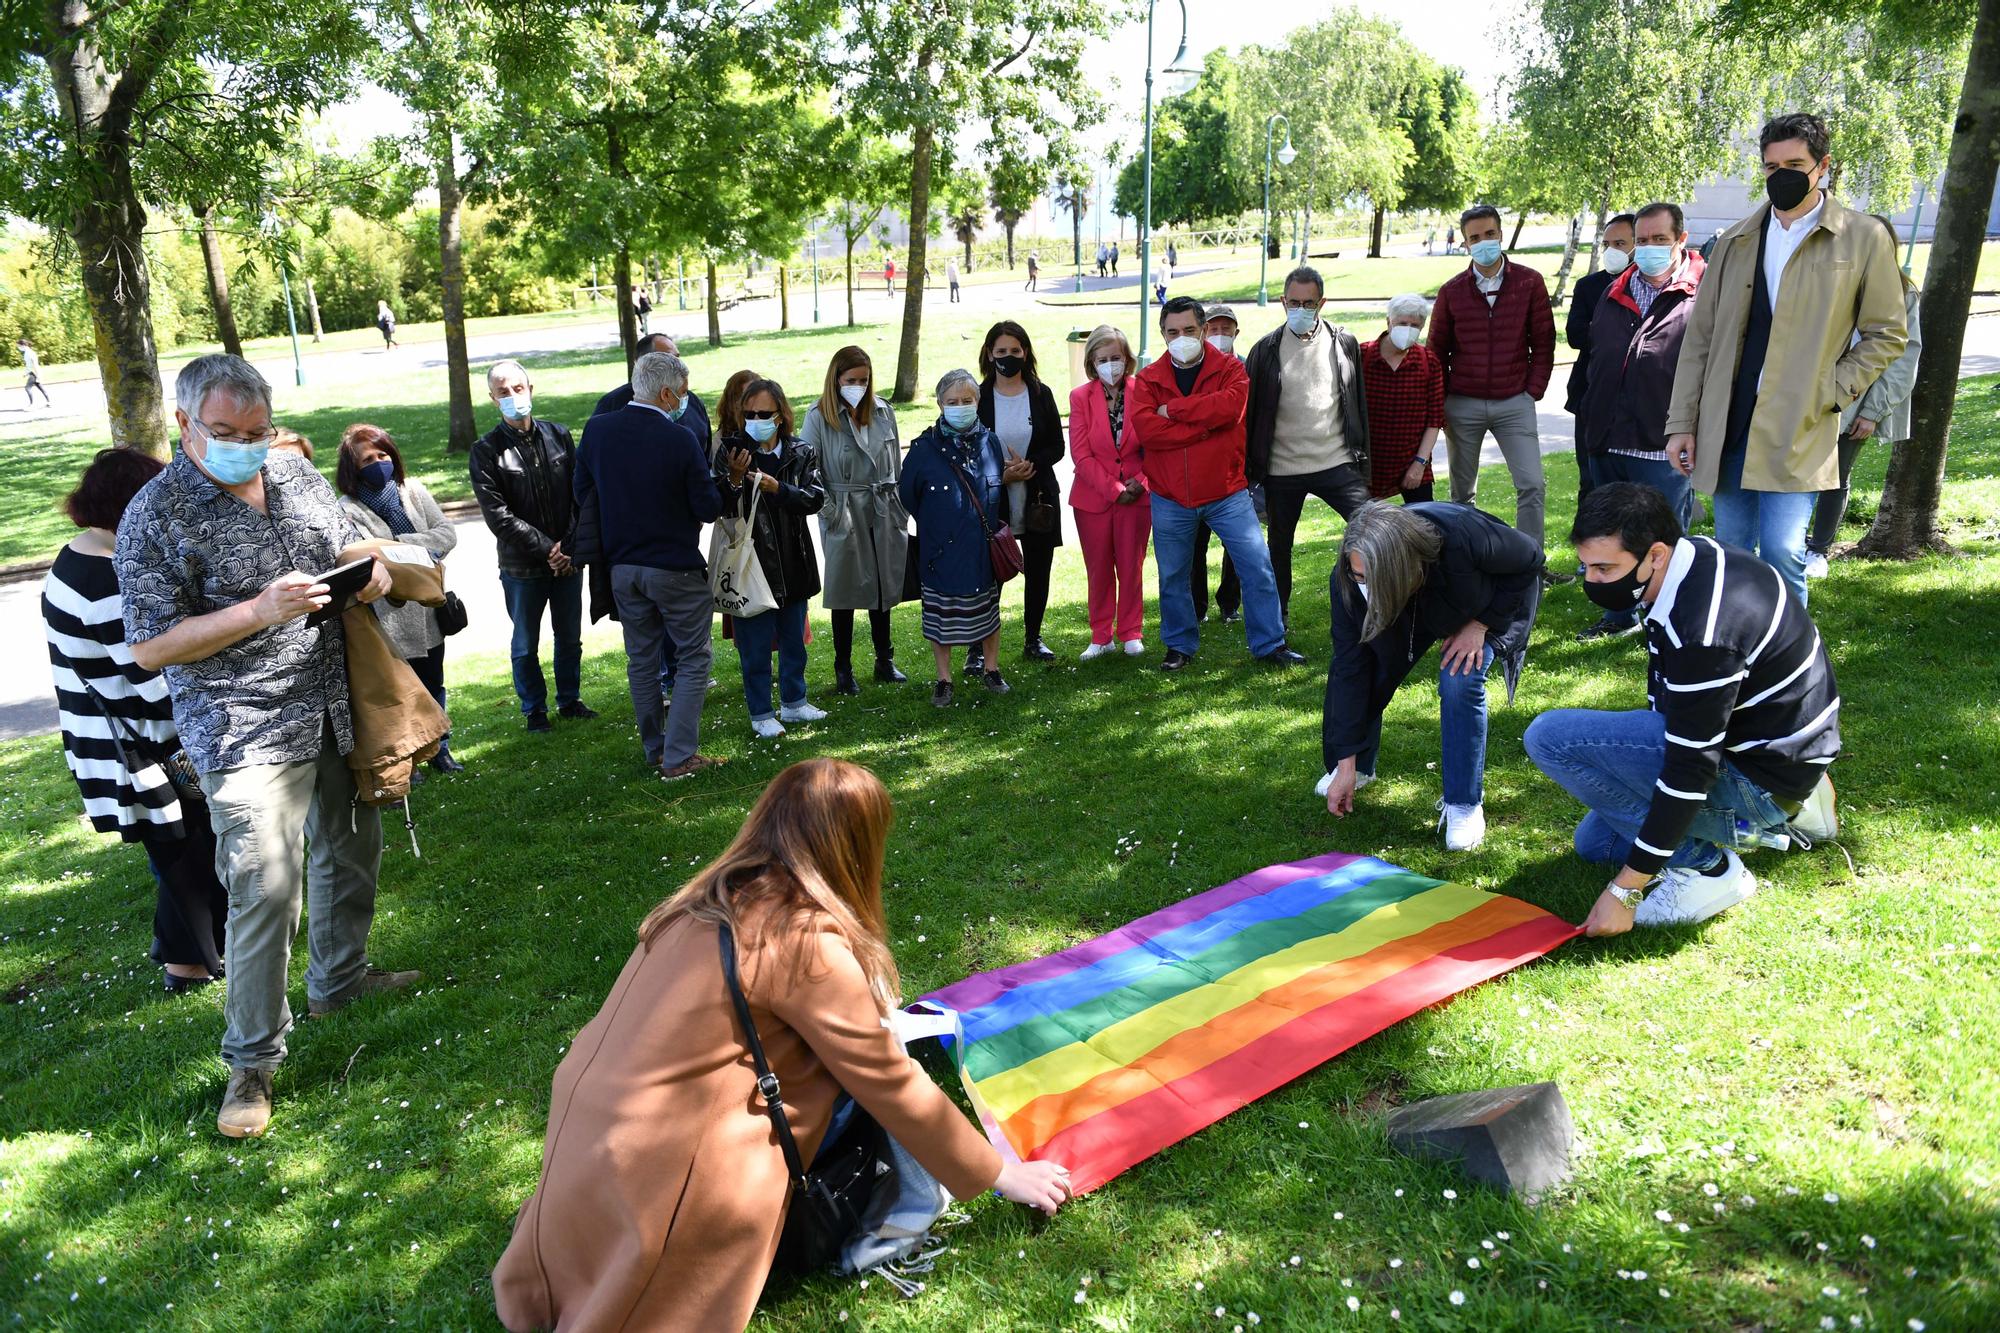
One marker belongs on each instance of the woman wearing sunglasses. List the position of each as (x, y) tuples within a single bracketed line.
[(769, 461)]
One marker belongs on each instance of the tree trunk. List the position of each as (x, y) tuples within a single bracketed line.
[(1569, 258), (462, 428), (714, 307), (109, 227), (1375, 234), (628, 318), (850, 281), (1597, 236), (1906, 521), (218, 283), (312, 304), (967, 238), (1520, 221), (921, 148), (784, 297), (1010, 245)]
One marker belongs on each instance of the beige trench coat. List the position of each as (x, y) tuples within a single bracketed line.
[(1841, 281)]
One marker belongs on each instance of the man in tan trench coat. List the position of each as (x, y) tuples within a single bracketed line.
[(1800, 311)]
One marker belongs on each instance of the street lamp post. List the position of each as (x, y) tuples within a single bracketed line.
[(1178, 78), (1286, 156), (274, 228), (815, 264)]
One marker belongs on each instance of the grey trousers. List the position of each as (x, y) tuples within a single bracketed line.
[(1512, 423), (654, 607), (265, 817)]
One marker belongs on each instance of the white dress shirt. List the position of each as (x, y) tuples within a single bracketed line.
[(1782, 242), (1490, 287)]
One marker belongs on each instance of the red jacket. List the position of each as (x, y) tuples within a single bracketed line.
[(1102, 464), (1500, 351), (1194, 454)]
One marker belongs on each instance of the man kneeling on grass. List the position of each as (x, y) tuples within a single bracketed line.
[(1744, 720)]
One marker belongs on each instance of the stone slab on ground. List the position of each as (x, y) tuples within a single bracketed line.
[(1515, 1139)]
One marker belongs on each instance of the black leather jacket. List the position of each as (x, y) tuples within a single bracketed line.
[(526, 492), (784, 544)]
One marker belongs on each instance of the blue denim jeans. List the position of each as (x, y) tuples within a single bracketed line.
[(1461, 722), (1769, 524), (1610, 761), (785, 630), (1234, 519), (527, 597)]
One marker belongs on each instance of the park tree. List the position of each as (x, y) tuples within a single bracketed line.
[(1627, 102), (1906, 522), (107, 107), (917, 69), (871, 178), (1200, 171), (1015, 179), (962, 195), (1512, 176), (1439, 115)]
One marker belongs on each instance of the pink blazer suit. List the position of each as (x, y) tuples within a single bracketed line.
[(1101, 470)]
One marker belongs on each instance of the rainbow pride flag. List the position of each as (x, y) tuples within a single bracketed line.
[(1103, 1054)]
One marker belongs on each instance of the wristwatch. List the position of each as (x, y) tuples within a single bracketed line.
[(1631, 898)]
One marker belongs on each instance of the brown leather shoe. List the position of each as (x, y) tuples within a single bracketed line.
[(372, 981), (246, 1106), (690, 766)]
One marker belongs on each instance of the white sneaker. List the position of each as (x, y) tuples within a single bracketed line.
[(1817, 819), (1095, 651), (802, 713), (1464, 826), (1687, 896), (1815, 565), (1325, 784), (1134, 647), (767, 728)]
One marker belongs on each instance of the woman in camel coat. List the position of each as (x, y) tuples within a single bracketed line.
[(663, 1190)]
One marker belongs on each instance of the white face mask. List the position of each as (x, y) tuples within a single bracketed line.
[(852, 394), (1615, 261), (1222, 342), (1111, 371), (1403, 336), (1184, 350)]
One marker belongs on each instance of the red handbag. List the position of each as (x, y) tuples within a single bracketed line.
[(1002, 547)]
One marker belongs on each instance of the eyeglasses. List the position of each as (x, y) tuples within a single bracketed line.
[(1313, 304), (264, 441), (760, 416)]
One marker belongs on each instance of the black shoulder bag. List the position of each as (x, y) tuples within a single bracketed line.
[(829, 1199)]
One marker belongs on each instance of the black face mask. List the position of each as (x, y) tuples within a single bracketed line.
[(1009, 366), (1788, 187), (1619, 594)]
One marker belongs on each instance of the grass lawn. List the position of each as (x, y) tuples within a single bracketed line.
[(1786, 1117)]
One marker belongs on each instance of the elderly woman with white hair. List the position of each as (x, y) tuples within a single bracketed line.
[(1404, 385), (952, 485), (1114, 518), (1408, 577)]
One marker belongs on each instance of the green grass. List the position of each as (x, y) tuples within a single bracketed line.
[(1823, 1050)]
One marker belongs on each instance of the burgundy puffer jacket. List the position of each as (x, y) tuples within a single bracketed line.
[(1498, 352)]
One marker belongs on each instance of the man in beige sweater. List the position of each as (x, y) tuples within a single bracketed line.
[(1306, 426)]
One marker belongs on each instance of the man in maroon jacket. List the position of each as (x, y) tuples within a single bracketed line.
[(1494, 332), (1185, 413)]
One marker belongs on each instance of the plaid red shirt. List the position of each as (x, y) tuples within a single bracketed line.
[(1403, 402)]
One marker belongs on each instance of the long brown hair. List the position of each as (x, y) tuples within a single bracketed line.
[(830, 401), (788, 426), (811, 850), (729, 410)]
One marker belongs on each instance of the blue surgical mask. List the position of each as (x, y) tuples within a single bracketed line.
[(961, 416), (1653, 260), (1301, 321), (377, 475), (680, 406), (517, 406), (760, 431), (233, 464), (1486, 253)]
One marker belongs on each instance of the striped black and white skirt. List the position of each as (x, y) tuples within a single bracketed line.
[(955, 621)]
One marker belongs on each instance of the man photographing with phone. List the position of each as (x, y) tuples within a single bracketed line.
[(210, 559)]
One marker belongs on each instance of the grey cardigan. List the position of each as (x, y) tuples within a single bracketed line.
[(412, 630), (1887, 401)]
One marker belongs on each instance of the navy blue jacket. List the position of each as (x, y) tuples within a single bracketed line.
[(695, 418), (643, 489), (951, 545)]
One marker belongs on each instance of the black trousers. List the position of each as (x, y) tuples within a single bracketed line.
[(1831, 507), (843, 638), (1228, 593), (1342, 487), (430, 673), (1038, 556), (191, 911)]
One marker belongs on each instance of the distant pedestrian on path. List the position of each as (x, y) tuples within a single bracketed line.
[(1103, 258), (1034, 270), (1173, 257), (385, 320), (951, 276), (642, 308), (32, 363), (889, 275), (1114, 259)]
